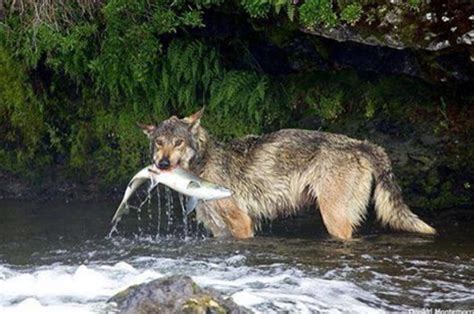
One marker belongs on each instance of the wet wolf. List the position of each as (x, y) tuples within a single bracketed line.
[(282, 172)]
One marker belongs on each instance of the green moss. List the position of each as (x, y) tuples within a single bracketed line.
[(431, 182), (317, 12), (351, 13), (328, 107), (196, 288), (283, 34), (121, 295), (414, 4), (21, 116), (446, 197), (203, 304), (320, 47)]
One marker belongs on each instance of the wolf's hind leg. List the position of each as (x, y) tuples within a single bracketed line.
[(335, 219), (343, 198)]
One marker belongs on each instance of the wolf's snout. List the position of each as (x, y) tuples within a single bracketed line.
[(164, 163)]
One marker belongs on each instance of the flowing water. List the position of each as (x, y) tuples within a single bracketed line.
[(57, 258)]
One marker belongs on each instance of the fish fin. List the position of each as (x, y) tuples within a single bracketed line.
[(193, 185), (191, 203), (115, 220), (153, 183), (138, 179)]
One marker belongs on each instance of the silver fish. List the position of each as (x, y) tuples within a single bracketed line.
[(179, 180)]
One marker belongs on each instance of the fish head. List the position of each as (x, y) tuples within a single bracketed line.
[(174, 142)]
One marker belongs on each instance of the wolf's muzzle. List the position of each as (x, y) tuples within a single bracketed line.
[(164, 163)]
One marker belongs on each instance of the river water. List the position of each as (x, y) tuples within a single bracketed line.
[(57, 258)]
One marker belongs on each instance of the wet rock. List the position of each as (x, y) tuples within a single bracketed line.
[(454, 66), (394, 128), (222, 25), (277, 64), (376, 59), (174, 294), (303, 56)]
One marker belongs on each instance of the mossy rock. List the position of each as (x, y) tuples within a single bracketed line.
[(173, 294), (203, 304)]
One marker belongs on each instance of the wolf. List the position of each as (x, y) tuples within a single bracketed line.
[(279, 173)]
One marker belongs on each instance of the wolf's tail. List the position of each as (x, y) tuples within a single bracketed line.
[(389, 205)]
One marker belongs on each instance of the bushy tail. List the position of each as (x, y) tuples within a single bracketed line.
[(389, 205)]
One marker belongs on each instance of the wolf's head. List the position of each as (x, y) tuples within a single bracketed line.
[(175, 142)]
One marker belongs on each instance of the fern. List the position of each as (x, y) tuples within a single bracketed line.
[(187, 71), (21, 115), (263, 8)]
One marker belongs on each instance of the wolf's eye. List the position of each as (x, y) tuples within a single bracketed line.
[(178, 142), (159, 143)]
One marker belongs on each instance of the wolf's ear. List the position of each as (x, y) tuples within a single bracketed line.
[(147, 129), (194, 120)]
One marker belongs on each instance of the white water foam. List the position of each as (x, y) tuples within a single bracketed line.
[(263, 289)]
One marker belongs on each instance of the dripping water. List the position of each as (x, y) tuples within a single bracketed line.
[(185, 216), (157, 211), (158, 223), (169, 208)]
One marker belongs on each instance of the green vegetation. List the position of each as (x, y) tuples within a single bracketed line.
[(318, 12), (21, 115), (76, 76), (351, 13)]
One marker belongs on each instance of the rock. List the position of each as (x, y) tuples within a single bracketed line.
[(174, 294), (376, 59), (303, 55), (435, 39), (432, 26), (276, 65)]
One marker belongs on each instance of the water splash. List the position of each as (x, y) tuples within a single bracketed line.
[(169, 208), (157, 212), (114, 229), (67, 288), (158, 223), (185, 215)]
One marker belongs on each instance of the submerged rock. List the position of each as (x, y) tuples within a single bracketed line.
[(174, 294)]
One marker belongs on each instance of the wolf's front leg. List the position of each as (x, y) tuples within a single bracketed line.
[(223, 218), (239, 222), (212, 220)]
